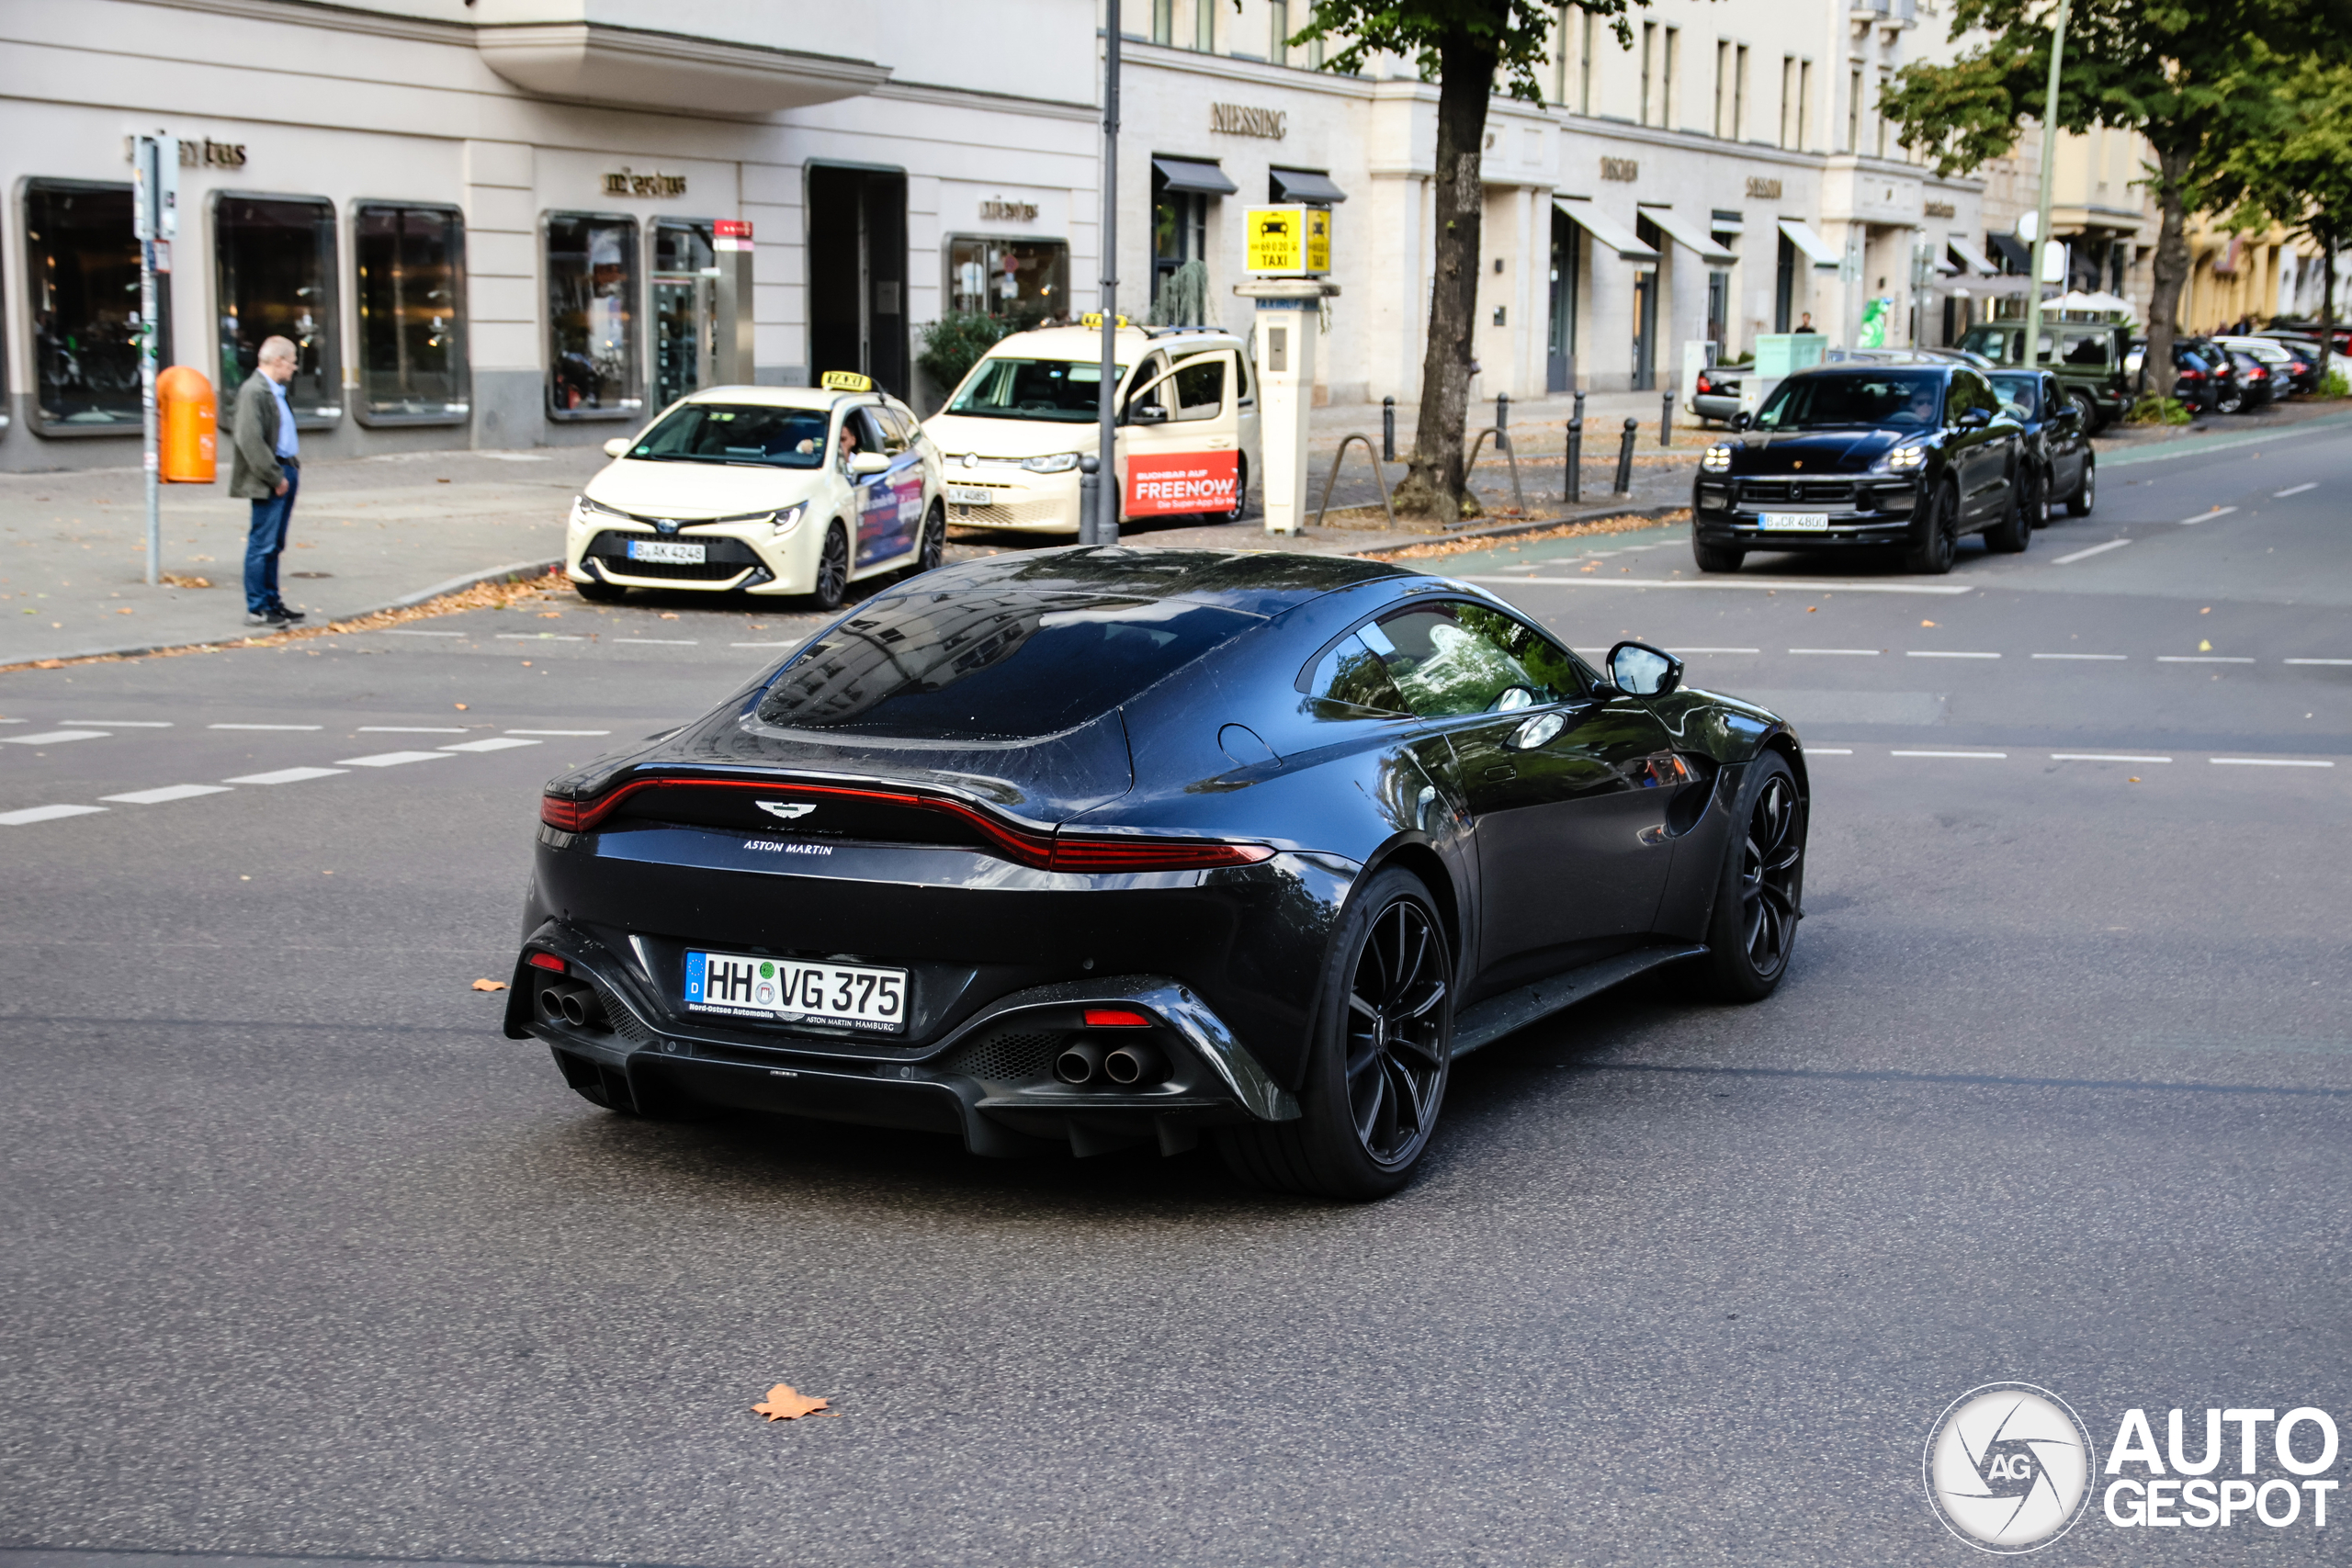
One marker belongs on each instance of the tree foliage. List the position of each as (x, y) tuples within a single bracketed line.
[(1517, 34), (2300, 175)]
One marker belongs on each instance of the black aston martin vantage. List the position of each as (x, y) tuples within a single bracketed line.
[(1098, 847)]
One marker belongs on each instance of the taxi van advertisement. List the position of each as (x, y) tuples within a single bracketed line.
[(1161, 483)]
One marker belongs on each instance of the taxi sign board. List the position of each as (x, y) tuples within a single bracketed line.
[(1289, 239), (1093, 322), (846, 381)]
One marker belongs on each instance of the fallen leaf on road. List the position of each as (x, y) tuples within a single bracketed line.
[(126, 610), (669, 614), (460, 706), (786, 1403), (177, 579), (490, 985), (550, 614), (2204, 647), (1926, 623)]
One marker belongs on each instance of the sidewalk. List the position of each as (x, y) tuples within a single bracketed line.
[(367, 533)]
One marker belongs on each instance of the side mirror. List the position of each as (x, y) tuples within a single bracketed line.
[(1640, 670), (1972, 419), (863, 463), (618, 445), (2072, 413), (1739, 420), (1148, 413)]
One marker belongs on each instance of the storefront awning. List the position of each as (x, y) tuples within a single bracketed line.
[(1605, 228), (1188, 178), (1687, 233), (2013, 252), (1304, 184), (596, 63), (1811, 244), (1976, 259)]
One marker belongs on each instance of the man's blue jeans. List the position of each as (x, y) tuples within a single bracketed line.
[(266, 543)]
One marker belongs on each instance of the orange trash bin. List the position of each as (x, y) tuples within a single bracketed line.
[(186, 416)]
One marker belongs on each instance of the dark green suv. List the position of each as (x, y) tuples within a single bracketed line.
[(2086, 357)]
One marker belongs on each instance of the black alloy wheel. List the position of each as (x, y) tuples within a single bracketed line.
[(1240, 490), (2087, 406), (832, 569), (2038, 503), (1761, 898), (1379, 1060), (1716, 558), (933, 552), (2086, 493), (1939, 543), (2230, 401), (2014, 532)]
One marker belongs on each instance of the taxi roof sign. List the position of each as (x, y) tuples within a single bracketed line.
[(846, 381), (1093, 320), (1289, 240)]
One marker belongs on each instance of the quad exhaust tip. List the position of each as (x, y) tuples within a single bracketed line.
[(1127, 1064), (1078, 1062), (567, 1003)]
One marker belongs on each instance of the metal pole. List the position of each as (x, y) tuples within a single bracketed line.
[(150, 166), (2031, 357), (1106, 524), (1502, 422), (1573, 490), (1625, 457), (1387, 430)]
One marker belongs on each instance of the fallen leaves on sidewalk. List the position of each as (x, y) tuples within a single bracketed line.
[(490, 985), (181, 579), (786, 1403), (1622, 523)]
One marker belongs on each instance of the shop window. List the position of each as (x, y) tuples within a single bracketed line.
[(82, 276), (1024, 283), (411, 265), (686, 308), (274, 259), (592, 316), (1179, 230)]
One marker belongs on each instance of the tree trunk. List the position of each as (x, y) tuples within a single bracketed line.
[(2328, 239), (1432, 487), (2170, 271)]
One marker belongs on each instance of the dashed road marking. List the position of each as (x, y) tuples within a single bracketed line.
[(397, 631), (539, 637), (559, 732), (1765, 584), (1850, 652), (265, 727), (1718, 650), (2293, 490), (125, 723), (2090, 657), (2207, 517), (411, 729), (492, 743), (1942, 653), (284, 775), (55, 736), (796, 642), (2199, 659), (169, 792), (2315, 661), (1991, 754), (2094, 551), (392, 758), (1829, 751), (44, 814), (2101, 756), (2268, 762), (659, 641)]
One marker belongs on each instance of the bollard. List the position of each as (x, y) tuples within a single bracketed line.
[(1665, 419), (1502, 422), (1572, 491), (1578, 415), (1625, 457), (1090, 485), (1387, 430)]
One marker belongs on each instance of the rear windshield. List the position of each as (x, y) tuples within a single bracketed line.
[(726, 432), (1910, 399), (1067, 390), (990, 666)]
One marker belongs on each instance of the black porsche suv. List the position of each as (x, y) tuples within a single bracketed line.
[(1866, 457)]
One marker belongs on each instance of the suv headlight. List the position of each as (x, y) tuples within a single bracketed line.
[(1718, 459), (1906, 457), (1060, 463)]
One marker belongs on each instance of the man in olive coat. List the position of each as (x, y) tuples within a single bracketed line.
[(265, 468)]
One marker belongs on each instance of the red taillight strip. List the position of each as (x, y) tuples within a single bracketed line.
[(1098, 852)]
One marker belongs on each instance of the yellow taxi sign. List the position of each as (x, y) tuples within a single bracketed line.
[(846, 381), (1093, 320), (1289, 239)]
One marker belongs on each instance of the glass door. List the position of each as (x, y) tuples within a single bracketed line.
[(686, 321), (1560, 355)]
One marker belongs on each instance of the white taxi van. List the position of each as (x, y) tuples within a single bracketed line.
[(770, 490), (1012, 433)]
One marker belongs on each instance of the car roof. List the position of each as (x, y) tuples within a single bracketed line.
[(786, 397), (1086, 342), (1874, 367), (1262, 582)]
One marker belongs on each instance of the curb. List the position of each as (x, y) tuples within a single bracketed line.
[(1510, 530), (512, 572)]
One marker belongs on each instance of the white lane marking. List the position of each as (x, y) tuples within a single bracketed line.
[(2293, 490), (265, 727), (1767, 584), (2101, 756), (411, 729), (1994, 754), (57, 737), (2267, 762), (2119, 656), (44, 814), (559, 732), (1855, 653), (2315, 661), (125, 723), (1719, 650), (659, 641), (494, 743), (2207, 517), (395, 631), (15, 721), (539, 637), (796, 642), (284, 775), (169, 792), (2094, 551), (1829, 751), (392, 759), (1940, 653), (2199, 658)]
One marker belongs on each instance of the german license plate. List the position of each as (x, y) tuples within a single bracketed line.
[(674, 550), (971, 495), (1792, 522), (786, 991)]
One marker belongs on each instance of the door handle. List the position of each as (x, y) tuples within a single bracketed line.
[(1500, 772)]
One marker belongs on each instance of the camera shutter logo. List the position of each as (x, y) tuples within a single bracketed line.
[(2009, 1467)]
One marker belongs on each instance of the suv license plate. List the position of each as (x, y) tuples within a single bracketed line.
[(971, 495), (786, 991), (1793, 521), (666, 550)]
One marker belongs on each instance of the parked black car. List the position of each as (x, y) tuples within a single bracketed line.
[(2256, 386), (1100, 848), (2203, 378), (2062, 466), (1859, 456)]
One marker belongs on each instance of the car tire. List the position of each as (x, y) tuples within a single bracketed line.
[(2014, 532), (931, 553), (1372, 1090), (2094, 417), (1933, 555), (2086, 493), (2229, 402), (598, 592), (2037, 496), (1716, 558), (832, 569), (1240, 490), (1760, 900)]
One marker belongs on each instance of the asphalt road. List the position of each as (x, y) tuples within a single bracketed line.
[(298, 1258)]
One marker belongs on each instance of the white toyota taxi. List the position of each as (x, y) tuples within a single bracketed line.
[(1017, 424), (771, 491)]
